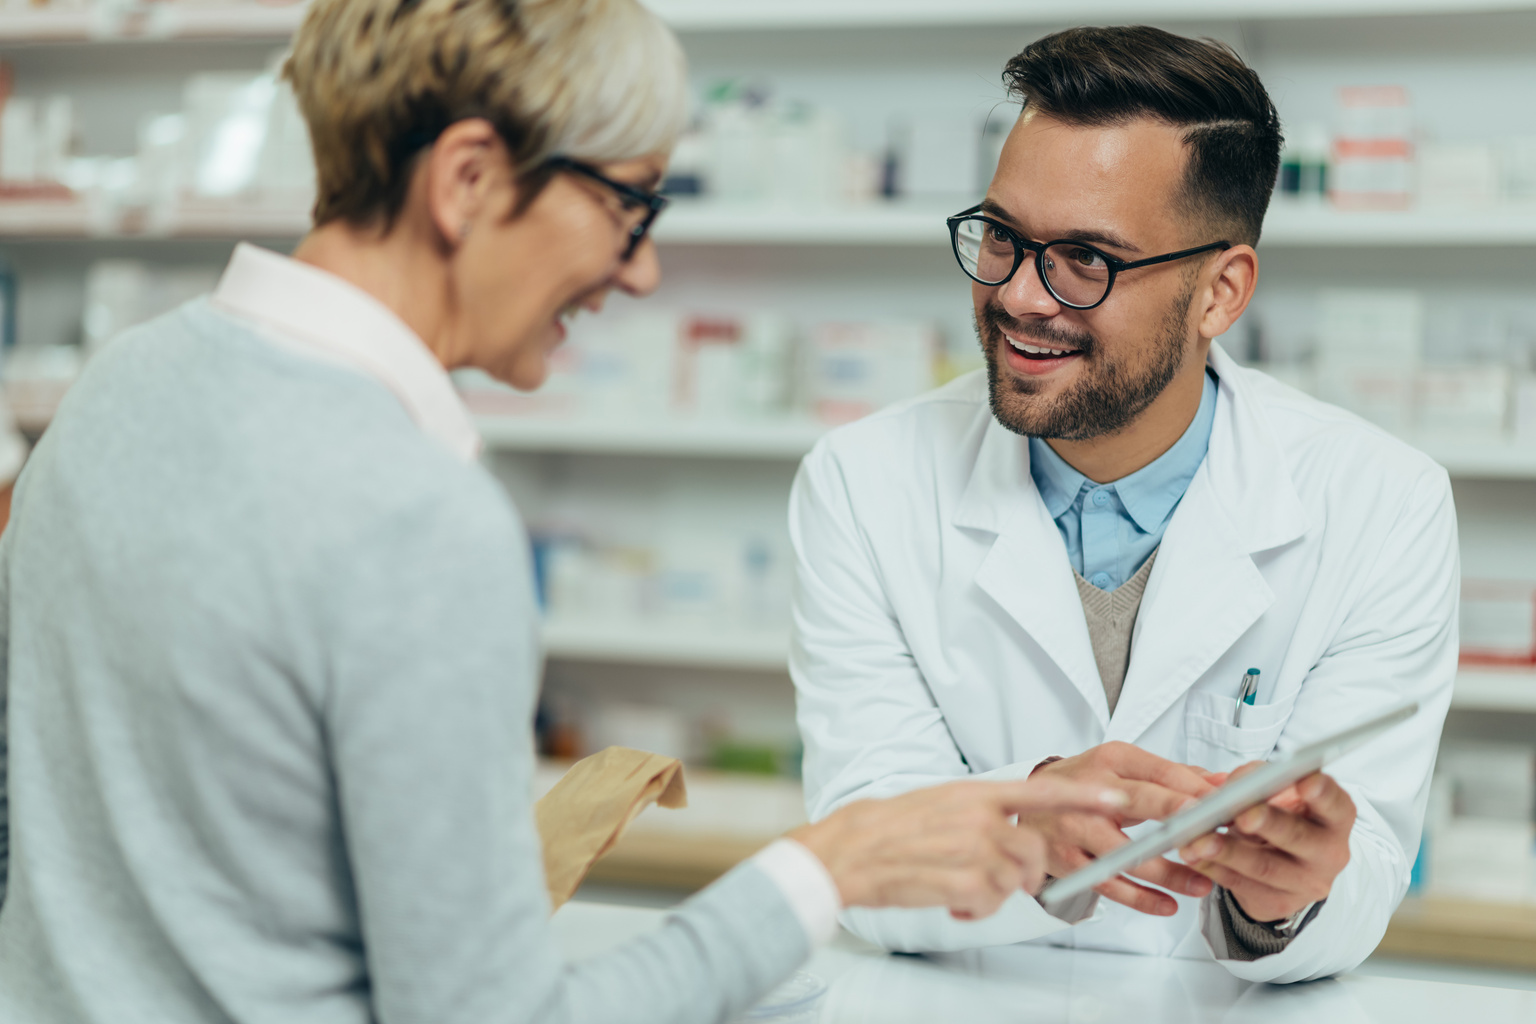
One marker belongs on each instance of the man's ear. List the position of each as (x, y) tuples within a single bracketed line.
[(1233, 276), (462, 171)]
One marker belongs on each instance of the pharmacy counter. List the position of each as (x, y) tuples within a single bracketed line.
[(1036, 985)]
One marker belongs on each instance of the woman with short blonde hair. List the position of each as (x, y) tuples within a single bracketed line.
[(270, 648)]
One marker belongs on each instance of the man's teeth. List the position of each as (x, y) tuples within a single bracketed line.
[(1036, 350)]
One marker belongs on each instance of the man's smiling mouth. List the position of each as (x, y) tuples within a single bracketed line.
[(1030, 350)]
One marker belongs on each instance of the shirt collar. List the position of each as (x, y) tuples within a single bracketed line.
[(317, 313), (1149, 494), (1059, 484)]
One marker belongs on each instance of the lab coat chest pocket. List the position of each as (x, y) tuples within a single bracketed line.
[(1217, 745)]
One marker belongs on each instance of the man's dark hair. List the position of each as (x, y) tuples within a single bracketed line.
[(1095, 77)]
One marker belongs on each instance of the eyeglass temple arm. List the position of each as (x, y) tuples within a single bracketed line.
[(1169, 257)]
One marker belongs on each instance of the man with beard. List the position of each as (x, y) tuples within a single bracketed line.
[(1119, 555)]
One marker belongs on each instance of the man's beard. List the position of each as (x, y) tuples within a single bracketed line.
[(1106, 397)]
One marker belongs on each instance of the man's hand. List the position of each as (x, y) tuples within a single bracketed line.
[(1156, 789), (952, 845), (1281, 855)]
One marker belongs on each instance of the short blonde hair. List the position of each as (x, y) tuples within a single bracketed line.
[(379, 80)]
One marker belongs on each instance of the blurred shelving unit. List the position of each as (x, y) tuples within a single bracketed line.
[(639, 642), (735, 439), (729, 817), (1495, 689), (712, 15), (1463, 930), (155, 22), (873, 225)]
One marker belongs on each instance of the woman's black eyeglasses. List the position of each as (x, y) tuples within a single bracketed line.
[(1078, 274), (631, 198)]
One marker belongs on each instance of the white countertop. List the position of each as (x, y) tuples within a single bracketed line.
[(1037, 984)]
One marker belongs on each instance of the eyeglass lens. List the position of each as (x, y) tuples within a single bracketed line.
[(1076, 275)]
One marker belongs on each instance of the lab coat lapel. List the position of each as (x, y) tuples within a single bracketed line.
[(1026, 571), (1205, 591)]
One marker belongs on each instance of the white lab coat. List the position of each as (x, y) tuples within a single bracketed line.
[(939, 634)]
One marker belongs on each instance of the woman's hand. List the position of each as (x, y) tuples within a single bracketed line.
[(953, 845)]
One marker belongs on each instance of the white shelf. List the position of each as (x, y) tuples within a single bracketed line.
[(646, 643), (691, 222), (1478, 689), (699, 222), (715, 15), (176, 19), (1483, 460), (159, 21), (1293, 225), (765, 439), (1495, 689), (64, 219)]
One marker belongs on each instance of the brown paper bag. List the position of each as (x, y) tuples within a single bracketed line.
[(586, 812)]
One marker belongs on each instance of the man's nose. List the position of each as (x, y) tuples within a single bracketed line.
[(1025, 294)]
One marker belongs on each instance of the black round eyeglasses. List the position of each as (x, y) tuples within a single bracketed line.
[(1076, 273), (631, 197)]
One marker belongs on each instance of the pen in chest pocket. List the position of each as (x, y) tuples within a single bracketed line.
[(1247, 692)]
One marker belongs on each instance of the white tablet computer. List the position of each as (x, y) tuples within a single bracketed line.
[(1215, 810)]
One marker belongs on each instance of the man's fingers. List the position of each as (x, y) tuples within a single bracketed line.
[(1132, 762), (1283, 830), (1152, 801), (1327, 801), (1044, 793), (1235, 882), (1165, 874), (1250, 861), (1138, 897)]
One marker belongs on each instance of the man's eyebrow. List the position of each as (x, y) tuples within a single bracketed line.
[(1093, 236)]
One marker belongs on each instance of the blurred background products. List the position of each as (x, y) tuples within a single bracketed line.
[(1420, 364), (1498, 622), (1479, 831), (1373, 149), (748, 366)]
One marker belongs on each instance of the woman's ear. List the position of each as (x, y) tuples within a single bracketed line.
[(462, 177)]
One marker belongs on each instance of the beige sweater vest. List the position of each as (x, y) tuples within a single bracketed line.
[(1111, 618)]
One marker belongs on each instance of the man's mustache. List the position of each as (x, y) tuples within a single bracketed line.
[(997, 318)]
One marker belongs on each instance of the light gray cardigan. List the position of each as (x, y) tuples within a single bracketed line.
[(269, 662)]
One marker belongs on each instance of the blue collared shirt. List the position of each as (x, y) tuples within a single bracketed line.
[(1111, 529)]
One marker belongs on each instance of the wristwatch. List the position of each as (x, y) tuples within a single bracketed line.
[(1289, 927)]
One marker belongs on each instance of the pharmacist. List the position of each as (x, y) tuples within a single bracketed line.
[(1081, 552), (270, 651)]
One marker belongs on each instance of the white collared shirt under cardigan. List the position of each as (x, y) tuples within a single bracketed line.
[(939, 633), (270, 655)]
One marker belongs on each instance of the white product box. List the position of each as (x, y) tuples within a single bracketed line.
[(808, 153), (1523, 408), (1517, 167), (639, 726), (1459, 176), (1372, 165), (732, 365), (852, 369), (1375, 323), (1471, 402), (18, 140), (620, 366), (942, 157), (1374, 389), (1482, 859), (1498, 622)]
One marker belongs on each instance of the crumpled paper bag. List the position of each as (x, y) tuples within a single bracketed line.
[(586, 812)]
